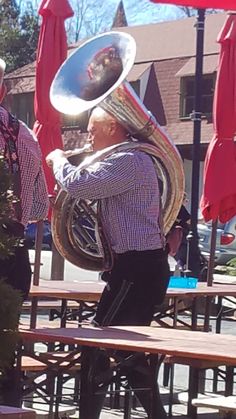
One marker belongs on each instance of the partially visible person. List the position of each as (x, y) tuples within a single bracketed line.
[(183, 220), (126, 185), (23, 157)]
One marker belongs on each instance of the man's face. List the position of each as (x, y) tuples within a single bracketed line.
[(98, 133)]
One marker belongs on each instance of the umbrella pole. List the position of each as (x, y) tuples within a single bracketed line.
[(211, 262), (38, 249), (194, 259)]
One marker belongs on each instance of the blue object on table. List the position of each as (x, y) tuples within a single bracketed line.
[(182, 282)]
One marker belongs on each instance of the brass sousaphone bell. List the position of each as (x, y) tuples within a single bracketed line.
[(95, 75)]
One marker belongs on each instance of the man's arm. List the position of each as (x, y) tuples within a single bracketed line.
[(110, 177), (40, 203), (34, 195)]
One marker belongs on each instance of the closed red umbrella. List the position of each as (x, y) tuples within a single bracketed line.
[(219, 192), (202, 4), (51, 52), (219, 187)]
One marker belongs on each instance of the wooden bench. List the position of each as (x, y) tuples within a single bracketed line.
[(45, 305), (43, 382), (44, 323), (42, 411), (197, 368), (8, 412), (29, 364), (220, 403)]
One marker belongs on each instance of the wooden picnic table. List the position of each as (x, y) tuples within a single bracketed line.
[(183, 343), (91, 292), (149, 340)]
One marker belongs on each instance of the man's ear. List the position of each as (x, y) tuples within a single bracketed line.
[(112, 127)]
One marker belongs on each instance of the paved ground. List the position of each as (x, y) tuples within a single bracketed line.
[(73, 273)]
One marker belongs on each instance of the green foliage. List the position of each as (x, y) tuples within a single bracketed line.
[(8, 341), (228, 269), (6, 199), (18, 34), (232, 263), (10, 299), (10, 304)]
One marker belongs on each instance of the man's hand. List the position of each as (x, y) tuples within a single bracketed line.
[(55, 155)]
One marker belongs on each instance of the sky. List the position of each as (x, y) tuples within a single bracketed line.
[(100, 15), (137, 13)]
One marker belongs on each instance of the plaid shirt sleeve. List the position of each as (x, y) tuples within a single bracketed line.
[(34, 195), (112, 176)]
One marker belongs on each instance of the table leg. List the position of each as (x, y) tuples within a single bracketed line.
[(63, 313), (219, 314), (208, 302), (33, 313), (175, 312), (218, 330), (194, 314)]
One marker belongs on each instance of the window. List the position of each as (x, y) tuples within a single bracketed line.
[(70, 121), (22, 106), (187, 95), (75, 122)]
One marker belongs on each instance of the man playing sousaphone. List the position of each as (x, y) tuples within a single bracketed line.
[(133, 154), (126, 186)]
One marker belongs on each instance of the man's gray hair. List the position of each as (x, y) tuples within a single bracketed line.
[(102, 115)]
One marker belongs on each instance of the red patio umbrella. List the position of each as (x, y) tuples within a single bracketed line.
[(51, 52), (219, 187), (202, 4), (219, 192)]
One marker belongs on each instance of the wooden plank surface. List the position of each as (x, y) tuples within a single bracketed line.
[(224, 279), (197, 345), (217, 402), (91, 291), (9, 412), (85, 291)]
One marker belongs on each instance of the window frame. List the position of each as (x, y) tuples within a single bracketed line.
[(183, 115), (22, 106)]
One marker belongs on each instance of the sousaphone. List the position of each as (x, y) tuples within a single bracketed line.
[(95, 75)]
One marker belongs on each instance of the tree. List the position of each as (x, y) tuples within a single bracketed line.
[(190, 11), (90, 18), (18, 34)]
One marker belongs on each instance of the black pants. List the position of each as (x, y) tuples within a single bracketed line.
[(16, 268), (136, 284), (16, 271)]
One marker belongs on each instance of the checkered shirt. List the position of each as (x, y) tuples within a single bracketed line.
[(34, 195), (126, 185)]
